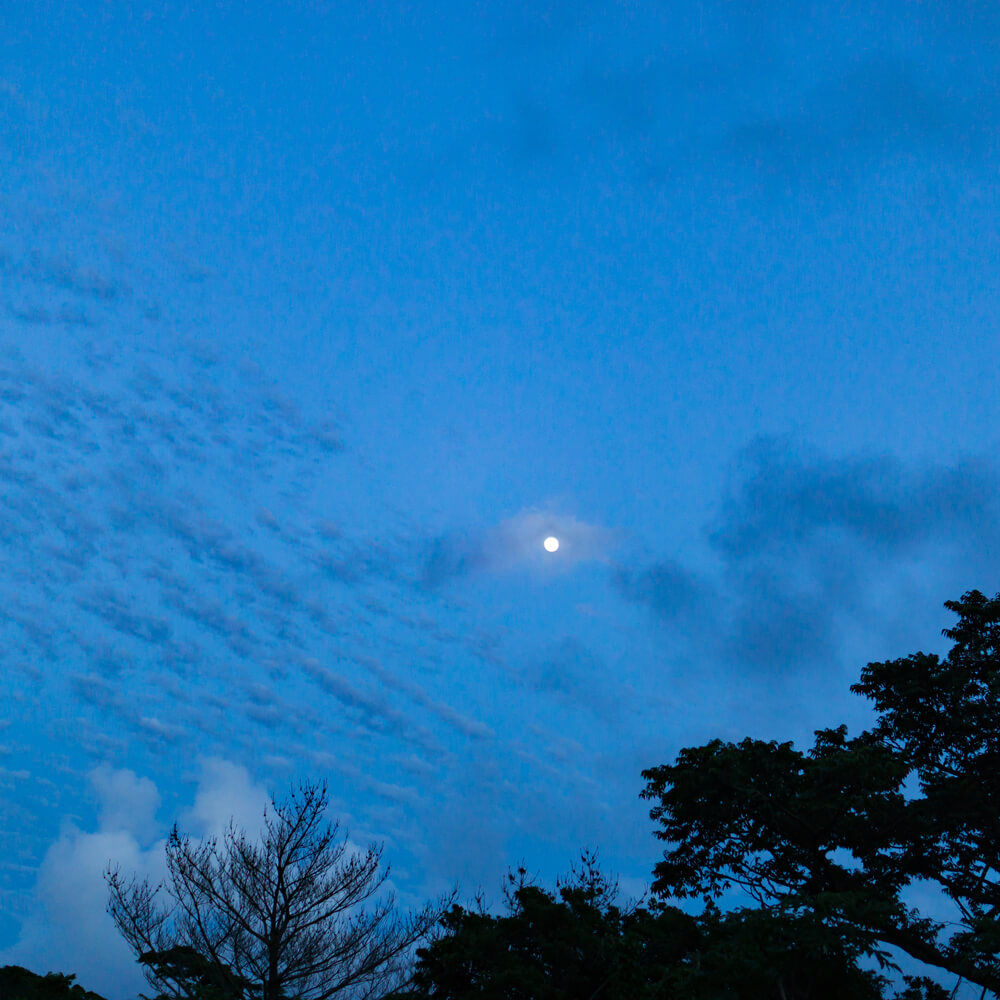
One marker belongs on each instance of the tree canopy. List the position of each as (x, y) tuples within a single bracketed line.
[(17, 983), (195, 977), (769, 818), (583, 947)]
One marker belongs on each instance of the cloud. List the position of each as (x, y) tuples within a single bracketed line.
[(778, 93), (783, 501), (809, 544), (373, 707), (676, 594), (516, 544), (456, 720), (571, 674), (126, 802), (169, 550), (68, 276), (225, 792), (874, 106), (67, 928)]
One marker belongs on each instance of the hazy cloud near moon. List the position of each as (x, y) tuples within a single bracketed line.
[(517, 543)]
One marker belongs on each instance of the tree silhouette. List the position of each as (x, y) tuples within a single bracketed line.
[(17, 983), (269, 922), (768, 818), (582, 947), (196, 977)]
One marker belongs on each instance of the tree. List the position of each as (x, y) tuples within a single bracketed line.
[(269, 922), (751, 954), (197, 977), (768, 818), (582, 947), (543, 949), (17, 983)]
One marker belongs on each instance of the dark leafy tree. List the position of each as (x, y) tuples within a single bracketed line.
[(17, 983), (273, 921), (543, 949), (196, 977), (753, 954), (582, 947), (768, 818)]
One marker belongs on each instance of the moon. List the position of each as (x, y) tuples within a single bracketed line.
[(551, 543)]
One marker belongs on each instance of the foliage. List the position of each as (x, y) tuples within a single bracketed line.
[(544, 949), (269, 922), (17, 983), (197, 977), (582, 947), (768, 818)]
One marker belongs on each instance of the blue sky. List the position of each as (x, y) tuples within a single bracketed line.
[(315, 321)]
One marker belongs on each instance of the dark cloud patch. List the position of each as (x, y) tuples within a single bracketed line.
[(419, 695), (211, 615), (784, 502), (809, 544), (69, 276), (534, 130), (776, 627), (781, 504), (42, 316), (671, 591), (568, 672), (55, 291), (94, 689), (116, 610), (449, 558), (352, 561), (369, 707), (781, 94), (879, 108)]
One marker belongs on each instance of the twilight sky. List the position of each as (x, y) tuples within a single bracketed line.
[(315, 319)]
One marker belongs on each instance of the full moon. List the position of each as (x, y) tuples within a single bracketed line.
[(551, 543)]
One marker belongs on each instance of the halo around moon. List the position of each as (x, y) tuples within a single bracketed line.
[(551, 543)]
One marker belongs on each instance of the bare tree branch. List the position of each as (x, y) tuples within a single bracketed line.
[(272, 921)]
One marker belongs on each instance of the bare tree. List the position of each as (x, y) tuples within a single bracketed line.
[(271, 922)]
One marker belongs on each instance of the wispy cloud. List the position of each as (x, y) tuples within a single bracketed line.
[(173, 575)]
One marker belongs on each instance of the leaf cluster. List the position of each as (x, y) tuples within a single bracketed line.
[(17, 983)]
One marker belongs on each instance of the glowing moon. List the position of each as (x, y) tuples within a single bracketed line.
[(551, 543)]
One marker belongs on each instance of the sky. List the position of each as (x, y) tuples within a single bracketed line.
[(317, 318)]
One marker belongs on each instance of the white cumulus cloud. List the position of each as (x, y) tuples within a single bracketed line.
[(68, 928), (127, 802)]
